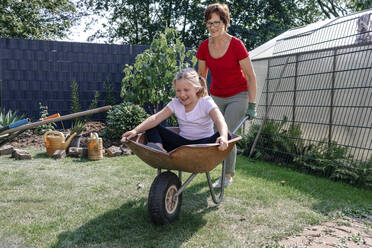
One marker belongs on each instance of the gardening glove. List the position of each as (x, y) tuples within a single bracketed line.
[(251, 111)]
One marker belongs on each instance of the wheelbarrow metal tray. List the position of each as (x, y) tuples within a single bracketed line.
[(198, 158)]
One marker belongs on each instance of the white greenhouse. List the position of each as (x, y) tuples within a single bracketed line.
[(326, 87)]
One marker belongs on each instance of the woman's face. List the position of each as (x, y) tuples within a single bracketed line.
[(215, 25)]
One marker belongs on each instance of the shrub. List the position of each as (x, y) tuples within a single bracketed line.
[(77, 127), (324, 158), (8, 117), (43, 114), (327, 159), (92, 105), (109, 93), (331, 160), (75, 106), (148, 82), (122, 118), (276, 142)]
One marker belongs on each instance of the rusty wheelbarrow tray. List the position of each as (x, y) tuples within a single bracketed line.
[(165, 196)]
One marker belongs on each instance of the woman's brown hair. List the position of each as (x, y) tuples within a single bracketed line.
[(220, 9)]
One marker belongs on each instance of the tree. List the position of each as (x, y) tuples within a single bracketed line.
[(137, 22), (35, 19), (256, 22), (253, 21), (336, 8), (150, 79)]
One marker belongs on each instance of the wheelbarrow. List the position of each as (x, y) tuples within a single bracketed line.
[(165, 196)]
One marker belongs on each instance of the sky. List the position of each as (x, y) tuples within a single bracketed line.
[(78, 34)]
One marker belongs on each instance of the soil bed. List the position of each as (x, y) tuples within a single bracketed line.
[(32, 139)]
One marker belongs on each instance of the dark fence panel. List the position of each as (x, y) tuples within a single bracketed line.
[(33, 71)]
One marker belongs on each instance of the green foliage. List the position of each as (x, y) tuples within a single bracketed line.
[(109, 91), (77, 127), (334, 161), (35, 19), (137, 22), (276, 142), (9, 117), (43, 114), (75, 106), (255, 22), (93, 104), (326, 159), (150, 79), (358, 5), (122, 118)]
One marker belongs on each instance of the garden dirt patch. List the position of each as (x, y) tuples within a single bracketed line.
[(32, 139), (346, 232)]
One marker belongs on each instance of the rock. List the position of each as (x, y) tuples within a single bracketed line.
[(140, 186), (126, 150), (85, 152), (6, 150), (20, 154), (78, 152), (114, 151), (75, 152), (58, 154)]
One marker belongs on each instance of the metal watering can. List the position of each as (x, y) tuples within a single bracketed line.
[(55, 140)]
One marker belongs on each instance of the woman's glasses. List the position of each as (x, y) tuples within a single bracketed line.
[(214, 24)]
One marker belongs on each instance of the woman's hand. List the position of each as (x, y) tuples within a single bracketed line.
[(251, 111), (223, 143), (127, 135)]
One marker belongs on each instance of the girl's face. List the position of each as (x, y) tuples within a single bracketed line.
[(186, 92), (215, 25)]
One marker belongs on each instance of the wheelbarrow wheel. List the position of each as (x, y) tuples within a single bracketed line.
[(163, 206)]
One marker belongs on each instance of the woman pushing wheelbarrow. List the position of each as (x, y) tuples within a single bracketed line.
[(194, 148)]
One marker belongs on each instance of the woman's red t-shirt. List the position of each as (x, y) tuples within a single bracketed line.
[(227, 76)]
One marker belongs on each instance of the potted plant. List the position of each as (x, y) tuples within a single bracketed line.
[(77, 127)]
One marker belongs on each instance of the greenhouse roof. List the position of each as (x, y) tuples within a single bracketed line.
[(336, 32)]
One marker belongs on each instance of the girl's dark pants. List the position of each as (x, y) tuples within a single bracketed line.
[(172, 140)]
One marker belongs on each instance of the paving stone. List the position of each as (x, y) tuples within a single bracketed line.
[(6, 150), (20, 154), (114, 151), (58, 154)]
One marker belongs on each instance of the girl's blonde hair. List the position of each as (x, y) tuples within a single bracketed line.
[(194, 78)]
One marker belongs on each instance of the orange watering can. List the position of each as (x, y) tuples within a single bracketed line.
[(95, 147), (55, 140)]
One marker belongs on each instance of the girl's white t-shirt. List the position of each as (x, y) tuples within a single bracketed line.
[(197, 123)]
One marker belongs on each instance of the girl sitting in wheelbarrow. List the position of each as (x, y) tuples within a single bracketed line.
[(196, 112)]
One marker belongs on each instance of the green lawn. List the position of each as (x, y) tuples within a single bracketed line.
[(79, 203)]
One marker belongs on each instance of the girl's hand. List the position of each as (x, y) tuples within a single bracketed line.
[(223, 143), (127, 135)]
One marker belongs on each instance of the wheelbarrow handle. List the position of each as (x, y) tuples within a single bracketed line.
[(241, 123), (213, 194)]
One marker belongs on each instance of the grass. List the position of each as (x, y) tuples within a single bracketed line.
[(80, 203)]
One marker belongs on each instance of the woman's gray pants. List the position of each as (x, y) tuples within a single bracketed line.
[(233, 109)]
